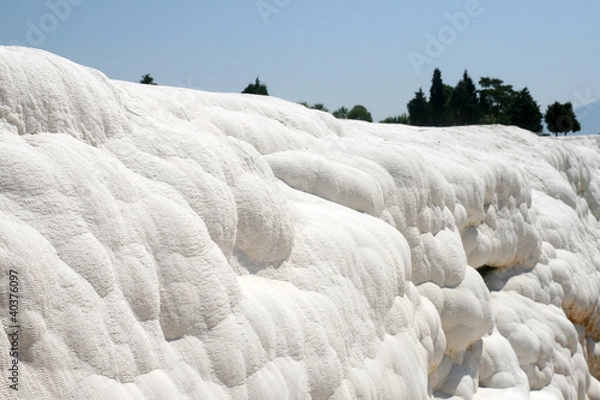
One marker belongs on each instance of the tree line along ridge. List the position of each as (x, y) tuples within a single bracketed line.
[(495, 102)]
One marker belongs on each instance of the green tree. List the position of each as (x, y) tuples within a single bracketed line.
[(418, 109), (341, 113), (400, 119), (464, 104), (495, 99), (147, 80), (319, 106), (361, 113), (525, 112), (437, 100), (560, 118), (256, 88), (448, 90)]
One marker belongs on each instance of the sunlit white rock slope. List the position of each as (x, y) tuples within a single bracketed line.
[(176, 244)]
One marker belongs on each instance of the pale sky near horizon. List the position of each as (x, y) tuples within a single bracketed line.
[(344, 52)]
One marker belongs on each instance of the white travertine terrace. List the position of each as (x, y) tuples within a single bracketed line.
[(178, 244)]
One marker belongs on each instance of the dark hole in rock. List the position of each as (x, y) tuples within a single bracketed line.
[(485, 271)]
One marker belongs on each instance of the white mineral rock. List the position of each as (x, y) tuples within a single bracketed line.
[(178, 244)]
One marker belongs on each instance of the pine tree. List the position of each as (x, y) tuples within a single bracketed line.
[(341, 113), (256, 88), (147, 80), (495, 99), (448, 90), (418, 109), (319, 106), (525, 112), (464, 104), (437, 100)]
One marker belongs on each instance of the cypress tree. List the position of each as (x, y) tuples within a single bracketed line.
[(437, 99)]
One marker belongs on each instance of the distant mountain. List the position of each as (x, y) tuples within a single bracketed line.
[(589, 118)]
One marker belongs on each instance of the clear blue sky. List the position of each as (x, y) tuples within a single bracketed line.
[(333, 52)]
